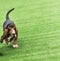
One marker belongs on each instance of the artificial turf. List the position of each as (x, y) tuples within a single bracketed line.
[(38, 23)]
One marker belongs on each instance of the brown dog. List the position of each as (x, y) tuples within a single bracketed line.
[(10, 31)]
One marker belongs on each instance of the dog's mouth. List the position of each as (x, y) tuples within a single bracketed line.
[(10, 38)]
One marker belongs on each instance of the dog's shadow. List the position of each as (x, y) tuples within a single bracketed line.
[(9, 50), (6, 50)]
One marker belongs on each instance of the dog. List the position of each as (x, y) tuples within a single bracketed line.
[(10, 31)]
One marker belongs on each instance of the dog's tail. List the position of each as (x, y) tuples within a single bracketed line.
[(7, 15)]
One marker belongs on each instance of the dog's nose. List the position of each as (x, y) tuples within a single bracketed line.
[(13, 34)]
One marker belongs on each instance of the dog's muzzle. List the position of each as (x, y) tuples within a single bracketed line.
[(13, 33)]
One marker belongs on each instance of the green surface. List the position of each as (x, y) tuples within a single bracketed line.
[(38, 23)]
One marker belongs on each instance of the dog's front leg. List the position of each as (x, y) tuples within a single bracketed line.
[(15, 45)]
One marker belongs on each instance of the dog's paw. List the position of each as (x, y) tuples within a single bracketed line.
[(15, 46)]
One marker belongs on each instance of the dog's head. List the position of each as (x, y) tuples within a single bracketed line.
[(12, 31)]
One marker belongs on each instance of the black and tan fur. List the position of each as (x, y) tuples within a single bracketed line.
[(8, 26)]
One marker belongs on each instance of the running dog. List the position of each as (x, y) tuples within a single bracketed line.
[(10, 31)]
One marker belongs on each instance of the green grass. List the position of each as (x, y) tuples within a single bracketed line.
[(38, 23)]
